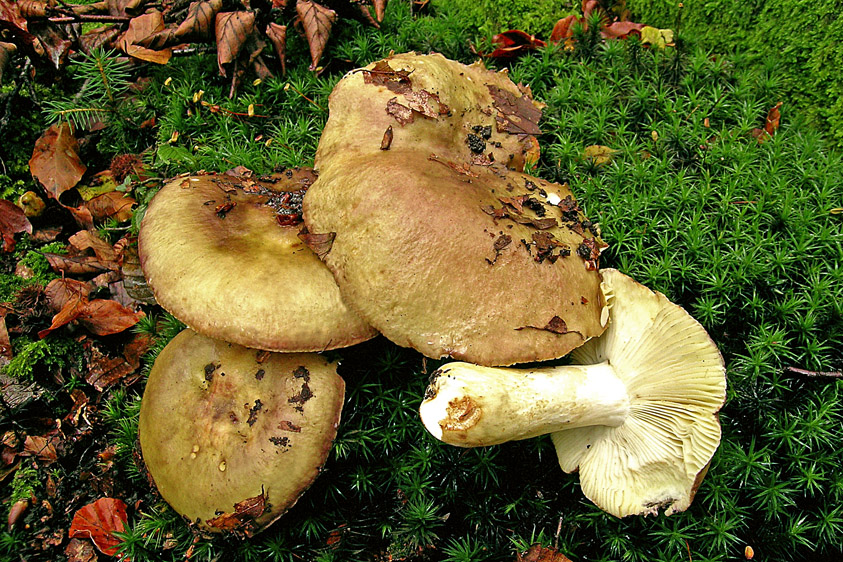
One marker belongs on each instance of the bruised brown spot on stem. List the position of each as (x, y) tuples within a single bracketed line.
[(463, 414)]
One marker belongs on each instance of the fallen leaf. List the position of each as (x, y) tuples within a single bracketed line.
[(7, 51), (622, 30), (516, 115), (232, 30), (12, 221), (55, 161), (5, 342), (61, 291), (317, 21), (40, 447), (774, 117), (104, 317), (278, 36), (16, 512), (513, 43), (244, 514), (89, 240), (75, 265), (140, 28), (563, 29), (319, 243), (197, 26), (113, 204), (599, 154), (380, 9), (659, 38), (80, 551), (98, 521), (538, 553)]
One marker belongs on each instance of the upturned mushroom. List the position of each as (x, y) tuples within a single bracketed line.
[(221, 253), (636, 413), (434, 235), (231, 436)]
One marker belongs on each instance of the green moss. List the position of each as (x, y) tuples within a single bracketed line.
[(25, 483), (799, 39), (34, 356), (494, 16)]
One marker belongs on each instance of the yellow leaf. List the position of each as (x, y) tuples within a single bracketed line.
[(659, 38), (598, 154)]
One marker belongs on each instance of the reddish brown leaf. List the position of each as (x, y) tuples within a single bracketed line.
[(16, 512), (538, 553), (140, 28), (621, 30), (317, 21), (61, 291), (80, 551), (69, 312), (278, 35), (123, 8), (103, 317), (319, 243), (113, 204), (53, 40), (102, 37), (55, 161), (380, 9), (10, 12), (98, 521), (198, 25), (515, 115), (244, 513), (75, 265), (89, 240), (41, 448), (563, 29), (12, 221), (232, 31), (514, 42), (5, 342), (773, 119)]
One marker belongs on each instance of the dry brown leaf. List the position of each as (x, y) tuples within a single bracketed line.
[(61, 291), (103, 37), (89, 240), (232, 31), (140, 28), (55, 161), (317, 21), (380, 8), (75, 265), (12, 221), (538, 553), (5, 342), (40, 447), (197, 26), (80, 551), (515, 115), (113, 204), (124, 8), (69, 312), (278, 35), (53, 40), (104, 317)]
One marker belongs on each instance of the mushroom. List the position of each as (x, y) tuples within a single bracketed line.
[(433, 234), (231, 436), (636, 412), (221, 253)]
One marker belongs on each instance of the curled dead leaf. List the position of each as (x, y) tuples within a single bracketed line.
[(55, 161), (317, 21), (12, 221), (98, 521), (232, 30)]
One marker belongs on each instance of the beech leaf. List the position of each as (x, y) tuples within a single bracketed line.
[(98, 521), (113, 204), (563, 29), (380, 9), (104, 317), (317, 21), (12, 221), (232, 30), (55, 161), (514, 42), (140, 28), (278, 35), (538, 553)]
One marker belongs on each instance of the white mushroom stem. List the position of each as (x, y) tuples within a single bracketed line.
[(471, 406), (636, 414)]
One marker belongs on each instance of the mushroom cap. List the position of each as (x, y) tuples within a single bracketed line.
[(439, 247), (221, 253), (231, 436), (676, 379)]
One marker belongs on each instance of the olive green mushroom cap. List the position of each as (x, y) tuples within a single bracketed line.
[(221, 253), (676, 380), (231, 436), (434, 241)]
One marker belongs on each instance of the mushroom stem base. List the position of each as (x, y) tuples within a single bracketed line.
[(471, 406)]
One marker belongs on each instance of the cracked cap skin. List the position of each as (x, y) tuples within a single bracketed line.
[(436, 238)]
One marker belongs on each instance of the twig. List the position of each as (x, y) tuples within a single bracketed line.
[(288, 85), (558, 532), (90, 18), (807, 373)]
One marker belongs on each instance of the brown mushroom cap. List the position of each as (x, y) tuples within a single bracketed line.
[(440, 247), (221, 253), (232, 436)]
